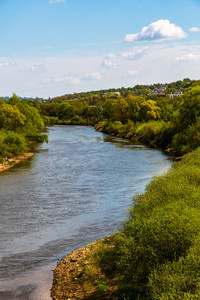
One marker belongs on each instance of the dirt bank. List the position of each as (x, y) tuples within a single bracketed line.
[(77, 276), (13, 161)]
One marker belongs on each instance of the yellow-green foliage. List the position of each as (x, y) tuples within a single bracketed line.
[(12, 144), (157, 252), (20, 122), (148, 133)]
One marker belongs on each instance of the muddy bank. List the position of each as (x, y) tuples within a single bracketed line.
[(13, 161)]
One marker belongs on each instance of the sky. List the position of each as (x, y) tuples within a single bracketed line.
[(50, 48)]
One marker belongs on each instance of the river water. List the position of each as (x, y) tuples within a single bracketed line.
[(75, 189)]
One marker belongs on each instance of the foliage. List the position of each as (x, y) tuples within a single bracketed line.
[(12, 144), (20, 122), (10, 117), (149, 110), (157, 251), (149, 133)]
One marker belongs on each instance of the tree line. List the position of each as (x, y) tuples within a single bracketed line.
[(169, 123)]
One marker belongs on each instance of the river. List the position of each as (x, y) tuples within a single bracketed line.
[(75, 189)]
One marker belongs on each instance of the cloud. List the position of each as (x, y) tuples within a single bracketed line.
[(46, 80), (109, 64), (188, 57), (38, 67), (93, 76), (134, 55), (67, 79), (161, 30), (7, 64), (57, 1), (195, 29), (132, 72), (111, 55)]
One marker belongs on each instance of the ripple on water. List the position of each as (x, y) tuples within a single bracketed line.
[(74, 190)]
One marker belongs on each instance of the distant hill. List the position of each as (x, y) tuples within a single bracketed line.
[(167, 88)]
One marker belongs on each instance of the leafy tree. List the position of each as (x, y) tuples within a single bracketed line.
[(134, 104), (149, 111), (10, 117), (66, 111), (33, 122), (189, 109), (14, 100)]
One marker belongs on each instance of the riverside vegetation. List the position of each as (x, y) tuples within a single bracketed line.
[(156, 255), (20, 125)]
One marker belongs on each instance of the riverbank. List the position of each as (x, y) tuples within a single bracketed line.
[(78, 276), (14, 160), (155, 256)]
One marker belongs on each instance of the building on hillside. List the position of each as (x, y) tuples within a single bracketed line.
[(115, 93), (177, 94), (158, 94), (161, 88)]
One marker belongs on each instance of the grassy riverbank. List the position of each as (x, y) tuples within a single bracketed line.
[(156, 255)]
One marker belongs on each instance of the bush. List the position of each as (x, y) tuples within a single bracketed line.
[(187, 140), (179, 279), (149, 133), (12, 144)]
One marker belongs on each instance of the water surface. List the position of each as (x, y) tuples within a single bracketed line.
[(75, 190)]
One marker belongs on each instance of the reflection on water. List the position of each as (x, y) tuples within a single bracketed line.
[(74, 190)]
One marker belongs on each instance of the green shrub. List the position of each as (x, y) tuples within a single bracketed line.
[(157, 251), (178, 279), (149, 133)]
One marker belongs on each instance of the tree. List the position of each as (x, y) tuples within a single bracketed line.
[(189, 109), (149, 111), (134, 104), (10, 117), (14, 100)]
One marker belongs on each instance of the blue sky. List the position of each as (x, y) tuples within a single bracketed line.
[(54, 47)]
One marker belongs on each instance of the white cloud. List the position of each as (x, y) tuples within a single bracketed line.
[(195, 29), (38, 67), (57, 1), (157, 31), (67, 79), (134, 55), (7, 64), (93, 76), (46, 80), (132, 72), (187, 57), (109, 64), (111, 55)]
